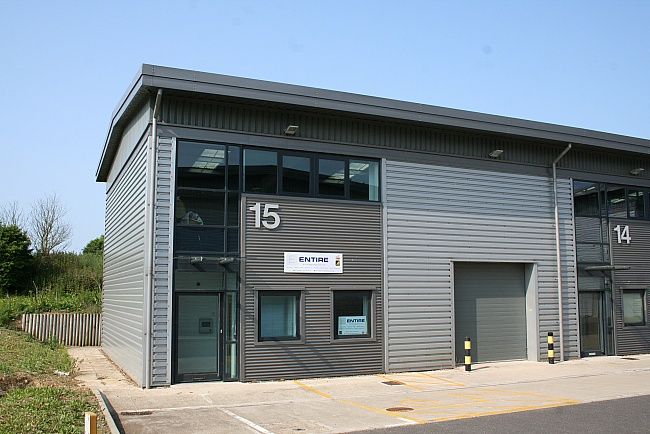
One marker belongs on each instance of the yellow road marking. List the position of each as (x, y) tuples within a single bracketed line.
[(442, 379), (410, 386), (508, 410), (313, 389), (396, 414)]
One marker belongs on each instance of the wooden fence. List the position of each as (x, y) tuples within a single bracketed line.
[(73, 329)]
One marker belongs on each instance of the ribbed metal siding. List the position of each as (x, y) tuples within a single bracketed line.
[(314, 226), (161, 327), (122, 336), (130, 139), (436, 215), (386, 134), (490, 308), (636, 255), (74, 329)]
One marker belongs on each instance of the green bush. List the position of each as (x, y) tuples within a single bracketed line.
[(95, 246), (15, 259), (49, 301), (64, 273)]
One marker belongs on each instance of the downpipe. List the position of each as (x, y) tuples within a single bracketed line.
[(149, 240), (557, 251)]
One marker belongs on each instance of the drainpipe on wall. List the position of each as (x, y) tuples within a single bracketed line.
[(149, 239), (557, 250)]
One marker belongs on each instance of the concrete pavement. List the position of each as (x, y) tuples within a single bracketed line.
[(364, 402)]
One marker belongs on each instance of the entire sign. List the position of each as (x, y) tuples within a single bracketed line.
[(311, 262), (269, 218), (623, 234), (353, 325)]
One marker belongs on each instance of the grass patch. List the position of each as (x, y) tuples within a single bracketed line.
[(33, 399), (21, 354), (48, 301)]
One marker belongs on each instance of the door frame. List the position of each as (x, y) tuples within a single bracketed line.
[(601, 322), (199, 376)]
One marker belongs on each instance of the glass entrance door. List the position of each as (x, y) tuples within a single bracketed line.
[(592, 339), (199, 337)]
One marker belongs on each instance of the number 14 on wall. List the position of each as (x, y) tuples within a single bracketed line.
[(269, 218), (623, 233)]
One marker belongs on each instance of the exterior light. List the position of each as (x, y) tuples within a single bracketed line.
[(291, 130), (638, 171), (496, 153)]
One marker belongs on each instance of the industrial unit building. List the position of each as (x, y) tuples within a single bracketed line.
[(258, 230)]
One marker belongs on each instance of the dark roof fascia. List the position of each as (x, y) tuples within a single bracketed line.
[(223, 85)]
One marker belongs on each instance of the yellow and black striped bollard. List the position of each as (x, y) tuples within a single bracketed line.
[(468, 354), (551, 350)]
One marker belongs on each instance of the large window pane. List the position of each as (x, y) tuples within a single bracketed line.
[(616, 206), (364, 180), (296, 173), (331, 177), (198, 334), (260, 171), (278, 315), (199, 239), (198, 207), (635, 201), (352, 313), (586, 198), (233, 209), (201, 165), (633, 308), (233, 167)]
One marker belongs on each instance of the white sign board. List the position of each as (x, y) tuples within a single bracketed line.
[(311, 262), (352, 325)]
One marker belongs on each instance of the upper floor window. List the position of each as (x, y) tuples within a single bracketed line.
[(260, 171)]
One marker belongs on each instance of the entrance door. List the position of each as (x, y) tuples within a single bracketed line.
[(199, 337), (590, 306)]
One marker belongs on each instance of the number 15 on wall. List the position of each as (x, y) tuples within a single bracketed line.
[(269, 218), (623, 233)]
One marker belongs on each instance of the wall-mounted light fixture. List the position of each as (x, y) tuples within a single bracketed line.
[(291, 130), (496, 153), (638, 171)]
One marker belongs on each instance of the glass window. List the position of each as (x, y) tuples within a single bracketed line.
[(233, 209), (199, 239), (585, 198), (201, 165), (296, 174), (199, 207), (635, 201), (278, 315), (331, 177), (633, 307), (232, 245), (233, 168), (616, 206), (352, 314), (195, 273), (260, 171), (364, 180)]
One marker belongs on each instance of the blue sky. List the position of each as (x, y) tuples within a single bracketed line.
[(64, 66)]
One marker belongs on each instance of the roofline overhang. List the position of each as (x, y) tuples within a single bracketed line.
[(152, 77)]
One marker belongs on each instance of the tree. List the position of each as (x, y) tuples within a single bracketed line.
[(49, 231), (12, 214), (95, 246), (15, 259)]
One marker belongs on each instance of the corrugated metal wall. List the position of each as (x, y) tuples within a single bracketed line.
[(436, 215), (333, 128), (162, 286), (122, 327), (636, 255), (353, 229), (73, 329), (130, 138)]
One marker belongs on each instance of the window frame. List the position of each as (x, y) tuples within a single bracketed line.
[(312, 164), (372, 318), (644, 295), (278, 173), (300, 318), (346, 177)]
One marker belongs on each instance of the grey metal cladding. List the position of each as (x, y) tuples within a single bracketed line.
[(636, 255), (131, 136), (350, 228), (436, 215), (161, 326), (382, 134), (122, 328)]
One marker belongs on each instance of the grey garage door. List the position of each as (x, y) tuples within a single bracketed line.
[(490, 308)]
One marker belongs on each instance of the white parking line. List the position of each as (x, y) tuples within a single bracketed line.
[(245, 421)]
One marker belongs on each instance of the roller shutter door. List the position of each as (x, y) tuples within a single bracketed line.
[(490, 308)]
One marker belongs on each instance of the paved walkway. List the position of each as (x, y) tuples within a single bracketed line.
[(363, 402)]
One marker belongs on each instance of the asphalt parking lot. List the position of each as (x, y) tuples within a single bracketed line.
[(358, 403)]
